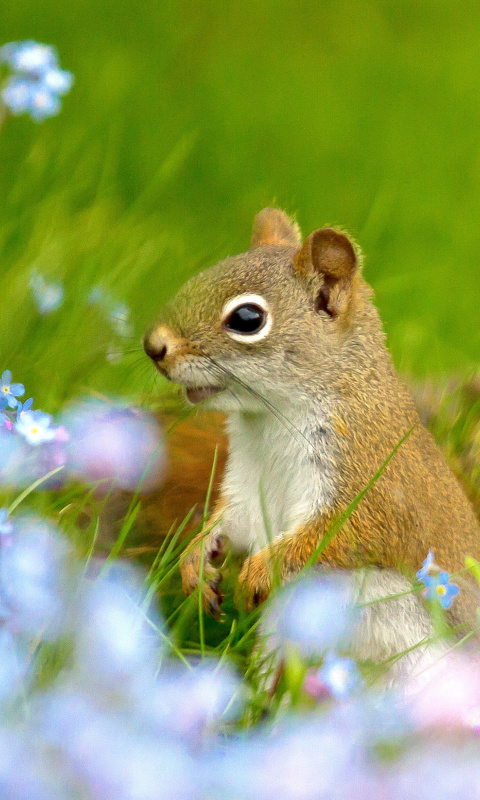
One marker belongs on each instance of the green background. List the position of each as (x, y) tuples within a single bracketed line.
[(187, 118)]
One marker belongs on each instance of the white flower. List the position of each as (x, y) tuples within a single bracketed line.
[(35, 427)]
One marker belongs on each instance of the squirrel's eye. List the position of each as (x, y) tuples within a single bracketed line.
[(246, 319)]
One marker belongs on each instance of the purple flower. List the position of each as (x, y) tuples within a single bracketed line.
[(439, 588), (112, 443), (313, 614), (426, 567), (10, 391)]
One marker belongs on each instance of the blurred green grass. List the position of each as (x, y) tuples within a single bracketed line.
[(186, 119)]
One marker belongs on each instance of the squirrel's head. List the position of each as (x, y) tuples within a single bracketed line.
[(265, 322)]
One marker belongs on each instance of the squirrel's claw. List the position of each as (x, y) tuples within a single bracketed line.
[(254, 582), (213, 599)]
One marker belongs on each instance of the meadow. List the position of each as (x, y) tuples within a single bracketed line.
[(183, 121)]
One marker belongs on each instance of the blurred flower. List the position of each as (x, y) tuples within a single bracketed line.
[(447, 694), (10, 391), (115, 760), (14, 470), (14, 662), (24, 96), (6, 525), (35, 427), (305, 759), (37, 81), (118, 641), (426, 567), (433, 770), (119, 317), (114, 443), (32, 581), (313, 614), (48, 296), (189, 702), (438, 587), (29, 57), (57, 80), (337, 676)]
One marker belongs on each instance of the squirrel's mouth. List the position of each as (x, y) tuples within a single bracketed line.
[(198, 393)]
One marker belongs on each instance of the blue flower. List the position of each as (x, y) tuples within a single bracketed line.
[(24, 96), (29, 57), (58, 80), (48, 296), (10, 391), (339, 675), (23, 407), (3, 404), (426, 567), (32, 583), (6, 527), (35, 427), (439, 588), (313, 614), (37, 81)]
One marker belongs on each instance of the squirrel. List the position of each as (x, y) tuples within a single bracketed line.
[(285, 340)]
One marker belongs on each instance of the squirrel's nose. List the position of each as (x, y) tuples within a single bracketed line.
[(156, 344)]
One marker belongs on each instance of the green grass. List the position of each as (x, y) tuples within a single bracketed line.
[(185, 120)]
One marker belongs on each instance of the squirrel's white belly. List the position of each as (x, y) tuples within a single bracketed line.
[(277, 477)]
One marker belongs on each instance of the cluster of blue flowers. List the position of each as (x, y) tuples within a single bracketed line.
[(113, 715), (94, 442), (35, 426), (437, 582), (37, 82)]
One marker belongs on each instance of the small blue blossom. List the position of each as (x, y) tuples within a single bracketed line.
[(439, 588), (29, 57), (35, 427), (340, 676), (48, 296), (3, 404), (24, 96), (23, 407), (10, 391), (37, 82), (426, 567)]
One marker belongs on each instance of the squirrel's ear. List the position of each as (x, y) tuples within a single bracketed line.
[(330, 256), (272, 226)]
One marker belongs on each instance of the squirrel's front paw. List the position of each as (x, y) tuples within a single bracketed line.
[(211, 578), (254, 582)]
